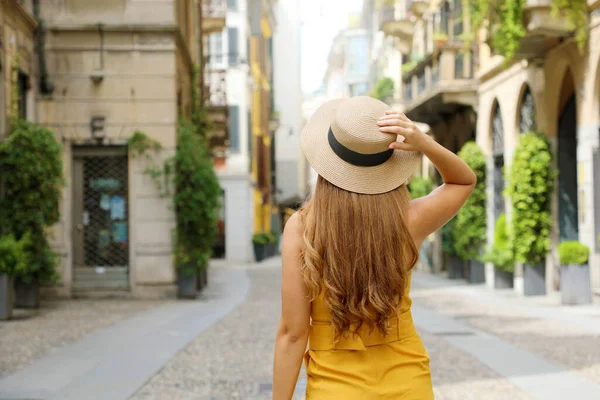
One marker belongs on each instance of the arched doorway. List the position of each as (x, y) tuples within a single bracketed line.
[(567, 162), (498, 159)]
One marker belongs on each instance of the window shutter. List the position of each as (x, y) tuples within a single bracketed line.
[(234, 130), (232, 36)]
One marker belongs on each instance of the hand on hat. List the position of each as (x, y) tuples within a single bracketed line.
[(397, 123)]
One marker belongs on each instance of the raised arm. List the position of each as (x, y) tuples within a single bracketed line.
[(428, 214)]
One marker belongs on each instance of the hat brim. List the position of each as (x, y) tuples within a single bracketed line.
[(365, 180)]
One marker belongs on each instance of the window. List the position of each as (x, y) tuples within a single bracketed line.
[(232, 4), (23, 85), (527, 122), (234, 128), (232, 46), (358, 89), (215, 54), (498, 154), (358, 63)]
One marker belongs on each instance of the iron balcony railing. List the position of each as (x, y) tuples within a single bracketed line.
[(214, 8), (215, 87)]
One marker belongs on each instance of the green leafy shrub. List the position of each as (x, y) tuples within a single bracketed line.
[(573, 252), (501, 253), (32, 171), (384, 88), (260, 238), (470, 226), (419, 187), (196, 199), (448, 237), (530, 187), (506, 21), (14, 256)]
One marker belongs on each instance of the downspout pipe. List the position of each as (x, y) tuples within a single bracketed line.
[(46, 85)]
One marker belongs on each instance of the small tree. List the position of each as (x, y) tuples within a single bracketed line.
[(196, 200), (501, 253), (470, 227), (530, 187)]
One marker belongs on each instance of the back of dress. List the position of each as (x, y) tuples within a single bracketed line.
[(369, 365)]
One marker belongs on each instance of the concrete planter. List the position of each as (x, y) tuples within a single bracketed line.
[(259, 251), (575, 285), (476, 272), (7, 297), (27, 295), (534, 279), (503, 279), (187, 285), (455, 268)]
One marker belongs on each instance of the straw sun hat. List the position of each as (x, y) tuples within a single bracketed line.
[(343, 144)]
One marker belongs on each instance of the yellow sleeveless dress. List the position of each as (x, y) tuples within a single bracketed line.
[(369, 365)]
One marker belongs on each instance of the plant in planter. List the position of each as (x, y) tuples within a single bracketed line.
[(501, 255), (439, 38), (530, 187), (469, 230), (31, 169), (14, 261), (384, 89), (260, 242), (575, 284), (455, 264), (197, 204)]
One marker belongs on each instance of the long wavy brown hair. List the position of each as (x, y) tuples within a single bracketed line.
[(358, 250)]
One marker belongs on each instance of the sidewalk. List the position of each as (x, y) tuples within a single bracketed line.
[(483, 345)]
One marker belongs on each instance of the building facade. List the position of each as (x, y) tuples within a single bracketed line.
[(227, 63), (264, 121), (550, 86), (102, 73), (291, 178), (18, 70)]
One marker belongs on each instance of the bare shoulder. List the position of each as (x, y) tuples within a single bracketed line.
[(292, 235)]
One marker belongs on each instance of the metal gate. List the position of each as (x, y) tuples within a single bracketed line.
[(100, 218)]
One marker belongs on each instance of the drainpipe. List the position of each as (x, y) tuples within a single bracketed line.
[(46, 85)]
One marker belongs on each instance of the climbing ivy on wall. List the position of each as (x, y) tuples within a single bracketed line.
[(505, 20)]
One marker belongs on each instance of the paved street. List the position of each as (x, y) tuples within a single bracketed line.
[(483, 345)]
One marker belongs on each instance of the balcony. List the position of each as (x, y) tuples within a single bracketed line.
[(418, 7), (214, 93), (440, 85), (213, 16), (543, 31), (399, 23)]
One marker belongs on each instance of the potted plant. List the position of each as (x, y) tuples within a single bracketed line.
[(439, 38), (14, 260), (501, 256), (260, 241), (530, 187), (469, 229), (455, 264), (197, 203), (575, 284), (31, 169)]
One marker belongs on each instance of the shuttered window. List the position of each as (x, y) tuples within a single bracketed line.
[(234, 128)]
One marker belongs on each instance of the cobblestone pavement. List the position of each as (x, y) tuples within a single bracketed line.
[(233, 358), (32, 334), (567, 345)]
